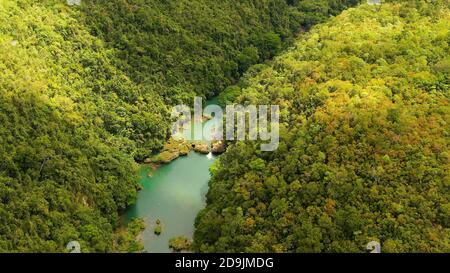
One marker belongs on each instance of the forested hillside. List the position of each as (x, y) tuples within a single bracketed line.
[(173, 50), (364, 149), (86, 90)]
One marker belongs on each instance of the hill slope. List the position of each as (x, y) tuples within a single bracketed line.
[(364, 148)]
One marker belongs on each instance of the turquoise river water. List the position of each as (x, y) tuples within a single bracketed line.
[(174, 194)]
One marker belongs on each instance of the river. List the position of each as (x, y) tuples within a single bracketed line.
[(174, 194)]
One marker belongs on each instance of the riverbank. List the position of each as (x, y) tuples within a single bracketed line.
[(182, 145), (173, 149)]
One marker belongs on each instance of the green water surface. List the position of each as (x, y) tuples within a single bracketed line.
[(174, 194)]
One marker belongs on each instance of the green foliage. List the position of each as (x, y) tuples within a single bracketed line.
[(126, 238), (248, 57), (229, 95), (158, 229), (269, 43), (86, 90), (180, 243), (364, 141), (181, 48)]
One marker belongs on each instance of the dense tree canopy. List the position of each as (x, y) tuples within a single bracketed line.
[(86, 90), (364, 149)]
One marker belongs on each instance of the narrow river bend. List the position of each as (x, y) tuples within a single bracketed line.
[(174, 194)]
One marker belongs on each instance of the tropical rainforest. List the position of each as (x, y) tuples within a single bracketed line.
[(86, 93), (364, 141)]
